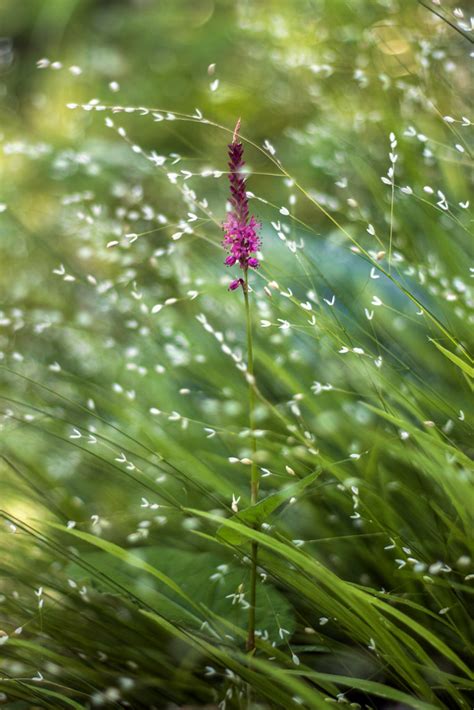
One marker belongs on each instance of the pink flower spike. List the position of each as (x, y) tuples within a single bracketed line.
[(241, 238)]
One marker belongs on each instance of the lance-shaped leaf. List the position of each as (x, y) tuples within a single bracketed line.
[(466, 367), (257, 514)]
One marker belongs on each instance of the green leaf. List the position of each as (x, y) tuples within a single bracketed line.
[(464, 366), (56, 696), (370, 687), (147, 590), (202, 576), (256, 514), (127, 557)]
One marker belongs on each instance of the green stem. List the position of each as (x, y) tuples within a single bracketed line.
[(254, 475)]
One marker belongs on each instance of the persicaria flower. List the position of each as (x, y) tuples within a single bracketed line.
[(241, 239)]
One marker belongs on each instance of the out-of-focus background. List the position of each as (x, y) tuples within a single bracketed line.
[(122, 352)]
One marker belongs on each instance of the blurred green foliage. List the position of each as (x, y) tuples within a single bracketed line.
[(122, 355)]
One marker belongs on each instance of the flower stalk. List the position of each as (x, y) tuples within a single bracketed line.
[(254, 473), (242, 242)]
